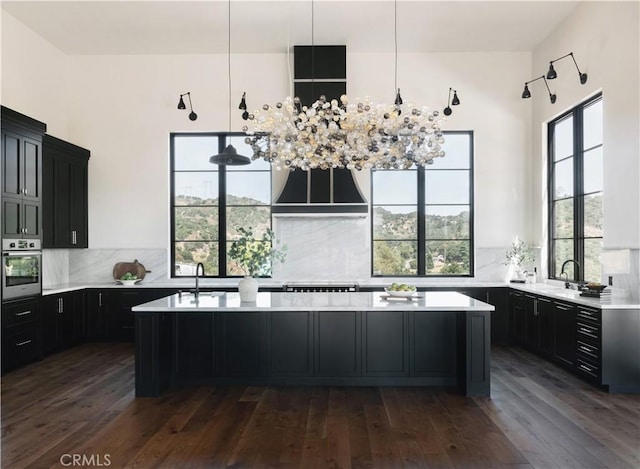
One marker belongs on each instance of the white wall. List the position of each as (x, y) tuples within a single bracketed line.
[(123, 107)]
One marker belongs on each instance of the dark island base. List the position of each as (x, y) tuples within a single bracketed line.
[(313, 348)]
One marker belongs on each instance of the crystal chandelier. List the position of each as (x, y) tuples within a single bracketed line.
[(340, 134)]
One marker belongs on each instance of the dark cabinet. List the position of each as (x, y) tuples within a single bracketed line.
[(433, 344), (518, 316), (20, 333), (195, 345), (243, 346), (338, 342), (500, 318), (290, 343), (385, 344), (120, 321), (546, 326), (62, 321), (532, 324), (565, 333), (588, 327), (97, 324), (65, 189), (21, 175)]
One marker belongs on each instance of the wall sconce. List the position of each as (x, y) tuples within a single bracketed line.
[(551, 74), (527, 94), (243, 106), (192, 115), (447, 111)]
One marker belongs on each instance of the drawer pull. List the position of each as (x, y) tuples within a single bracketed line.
[(25, 342), (586, 368), (586, 349), (586, 330), (24, 313)]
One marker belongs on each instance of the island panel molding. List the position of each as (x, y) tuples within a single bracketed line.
[(341, 339)]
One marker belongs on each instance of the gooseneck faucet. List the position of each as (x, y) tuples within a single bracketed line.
[(198, 267), (566, 283)]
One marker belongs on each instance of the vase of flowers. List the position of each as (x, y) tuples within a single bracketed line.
[(517, 257), (254, 257)]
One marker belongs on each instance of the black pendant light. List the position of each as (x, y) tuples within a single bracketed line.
[(229, 156)]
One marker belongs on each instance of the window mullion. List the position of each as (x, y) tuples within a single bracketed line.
[(222, 211), (578, 185), (421, 228)]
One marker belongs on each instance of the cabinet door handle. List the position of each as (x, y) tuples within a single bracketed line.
[(100, 300), (24, 313), (25, 342)]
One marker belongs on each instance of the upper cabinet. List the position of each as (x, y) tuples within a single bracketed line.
[(65, 194), (21, 175)]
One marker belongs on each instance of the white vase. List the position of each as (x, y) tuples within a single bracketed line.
[(248, 289)]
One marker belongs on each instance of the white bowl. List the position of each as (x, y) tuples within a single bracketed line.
[(129, 282), (400, 294)]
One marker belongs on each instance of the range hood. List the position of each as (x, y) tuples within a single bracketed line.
[(320, 70), (320, 191)]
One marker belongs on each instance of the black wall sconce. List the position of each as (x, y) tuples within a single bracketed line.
[(527, 94), (551, 74), (192, 115), (243, 106), (447, 111)]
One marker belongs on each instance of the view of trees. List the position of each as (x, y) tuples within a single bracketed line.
[(395, 243)]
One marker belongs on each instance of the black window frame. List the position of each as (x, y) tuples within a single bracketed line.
[(578, 153), (223, 141), (421, 217)]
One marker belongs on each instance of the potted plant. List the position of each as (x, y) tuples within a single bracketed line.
[(517, 256), (255, 256)]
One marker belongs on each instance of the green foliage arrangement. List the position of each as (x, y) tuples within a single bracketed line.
[(256, 256), (520, 253)]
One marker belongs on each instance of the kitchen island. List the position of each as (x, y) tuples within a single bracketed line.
[(300, 339)]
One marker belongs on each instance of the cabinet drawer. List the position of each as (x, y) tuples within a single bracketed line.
[(588, 315), (588, 369), (588, 351), (20, 345), (25, 313), (588, 331)]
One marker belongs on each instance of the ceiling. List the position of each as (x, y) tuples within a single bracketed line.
[(261, 26)]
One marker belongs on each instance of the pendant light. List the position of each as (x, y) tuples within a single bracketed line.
[(229, 156)]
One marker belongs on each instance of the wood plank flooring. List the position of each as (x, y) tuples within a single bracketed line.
[(80, 403)]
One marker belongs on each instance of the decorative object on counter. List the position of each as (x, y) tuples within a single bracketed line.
[(516, 258), (447, 111), (134, 268), (594, 290), (192, 115), (400, 290), (129, 279), (342, 134), (255, 257), (229, 156)]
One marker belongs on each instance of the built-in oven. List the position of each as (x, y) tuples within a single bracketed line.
[(21, 268)]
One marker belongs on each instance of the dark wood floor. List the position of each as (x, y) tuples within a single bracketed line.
[(81, 402)]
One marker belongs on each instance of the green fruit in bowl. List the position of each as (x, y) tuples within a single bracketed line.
[(129, 276)]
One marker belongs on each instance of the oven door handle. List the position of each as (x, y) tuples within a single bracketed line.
[(21, 253)]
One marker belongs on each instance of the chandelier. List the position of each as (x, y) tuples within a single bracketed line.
[(341, 134)]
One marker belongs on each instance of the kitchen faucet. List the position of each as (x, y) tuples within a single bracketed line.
[(197, 292), (566, 283)]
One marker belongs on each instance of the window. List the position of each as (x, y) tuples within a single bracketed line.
[(422, 217), (209, 202), (576, 188)]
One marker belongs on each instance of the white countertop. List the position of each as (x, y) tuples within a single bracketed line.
[(360, 301), (555, 291)]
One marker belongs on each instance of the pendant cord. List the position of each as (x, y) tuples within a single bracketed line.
[(313, 57), (229, 61), (395, 35)]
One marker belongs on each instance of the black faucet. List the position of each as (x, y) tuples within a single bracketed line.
[(566, 283), (197, 292)]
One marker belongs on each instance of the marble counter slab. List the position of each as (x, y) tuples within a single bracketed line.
[(360, 301), (560, 293)]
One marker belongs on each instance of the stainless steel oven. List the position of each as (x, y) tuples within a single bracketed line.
[(21, 268)]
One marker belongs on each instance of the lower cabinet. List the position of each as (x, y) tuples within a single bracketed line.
[(517, 310), (385, 346), (20, 333), (290, 343), (242, 341), (62, 321), (565, 333), (433, 344), (338, 336), (194, 337)]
